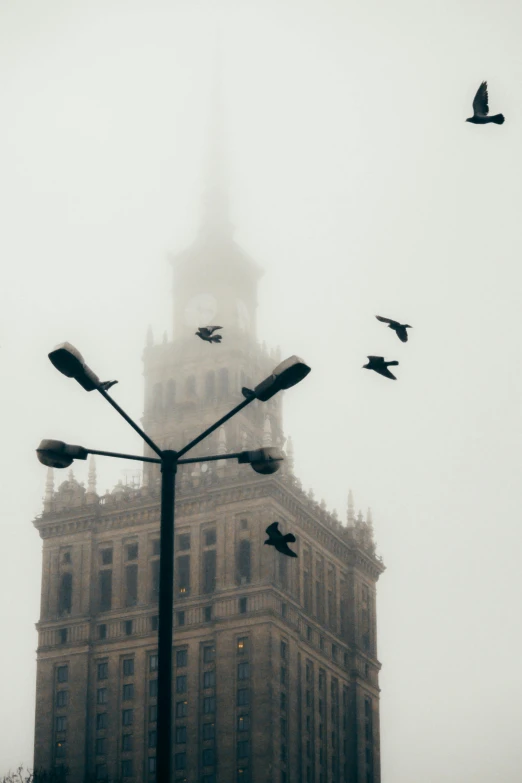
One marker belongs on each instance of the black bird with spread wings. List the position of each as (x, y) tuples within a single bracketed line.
[(399, 329), (378, 364), (206, 333), (481, 108), (277, 539)]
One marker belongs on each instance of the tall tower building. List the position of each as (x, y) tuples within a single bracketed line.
[(275, 659)]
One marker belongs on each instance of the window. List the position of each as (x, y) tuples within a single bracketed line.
[(283, 752), (243, 722), (131, 585), (209, 653), (283, 609), (62, 673), (243, 672), (101, 746), (132, 551), (102, 631), (127, 627), (209, 570), (101, 771), (334, 651), (181, 683), (308, 750), (283, 701), (126, 768), (210, 537), (242, 605), (156, 546), (153, 663), (128, 667), (103, 671), (61, 723), (126, 743), (181, 709), (209, 705), (243, 562), (283, 649), (154, 622), (106, 556), (308, 698), (66, 558), (242, 645), (60, 750), (127, 717), (183, 574), (283, 776), (321, 642), (180, 618), (242, 749), (152, 764), (184, 541), (207, 614), (321, 679), (242, 697), (101, 721), (180, 760), (283, 675), (181, 658), (283, 727), (153, 738), (208, 757), (153, 713), (65, 594), (209, 679), (209, 731), (101, 696), (153, 689), (128, 691), (308, 633), (105, 586), (62, 636), (346, 660), (181, 735)]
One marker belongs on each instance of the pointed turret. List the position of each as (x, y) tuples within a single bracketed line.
[(49, 491), (91, 482), (290, 455), (350, 514)]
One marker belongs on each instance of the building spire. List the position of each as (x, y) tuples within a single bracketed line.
[(350, 514), (290, 454), (91, 481), (267, 432), (49, 491), (222, 441), (216, 209)]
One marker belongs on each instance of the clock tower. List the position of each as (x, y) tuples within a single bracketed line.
[(189, 383)]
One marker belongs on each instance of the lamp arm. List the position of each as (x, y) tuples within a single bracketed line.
[(134, 426)]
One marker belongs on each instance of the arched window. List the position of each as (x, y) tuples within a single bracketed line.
[(170, 397), (157, 401), (65, 595), (210, 386), (223, 383), (243, 562), (190, 387)]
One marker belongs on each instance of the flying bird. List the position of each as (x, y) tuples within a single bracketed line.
[(205, 332), (399, 329), (106, 385), (277, 539), (378, 364), (481, 108)]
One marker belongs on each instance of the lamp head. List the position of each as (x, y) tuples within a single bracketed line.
[(284, 376), (69, 361), (265, 461), (57, 454)]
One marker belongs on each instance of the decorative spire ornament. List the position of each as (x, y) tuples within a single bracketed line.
[(222, 441), (91, 481), (290, 455), (267, 432), (49, 490), (350, 514)]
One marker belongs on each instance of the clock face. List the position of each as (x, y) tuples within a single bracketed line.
[(200, 310), (243, 316)]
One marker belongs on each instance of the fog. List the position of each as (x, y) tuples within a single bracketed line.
[(358, 187)]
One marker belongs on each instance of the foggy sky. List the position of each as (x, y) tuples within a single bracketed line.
[(357, 185)]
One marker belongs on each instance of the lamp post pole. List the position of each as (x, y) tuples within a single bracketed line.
[(70, 362)]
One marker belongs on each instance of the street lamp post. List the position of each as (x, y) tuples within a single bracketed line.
[(57, 454)]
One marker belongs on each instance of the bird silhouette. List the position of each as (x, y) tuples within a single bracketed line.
[(399, 329), (378, 364), (205, 332), (106, 385), (277, 539), (481, 108)]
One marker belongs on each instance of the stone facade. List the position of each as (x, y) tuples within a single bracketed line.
[(276, 669)]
